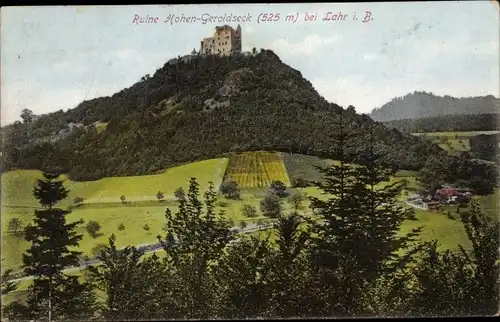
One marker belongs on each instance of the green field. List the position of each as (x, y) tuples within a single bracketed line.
[(304, 166), (103, 204), (453, 142), (17, 186), (256, 169)]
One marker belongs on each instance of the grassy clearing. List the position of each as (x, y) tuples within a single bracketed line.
[(256, 169), (304, 166), (17, 186)]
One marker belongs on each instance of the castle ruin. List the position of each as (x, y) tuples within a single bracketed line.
[(226, 40)]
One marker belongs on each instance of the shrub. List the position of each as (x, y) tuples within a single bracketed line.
[(121, 227), (300, 183), (159, 196), (249, 211), (243, 224), (145, 227), (15, 225), (296, 200), (93, 228), (179, 194), (122, 198), (270, 205), (230, 190), (78, 200)]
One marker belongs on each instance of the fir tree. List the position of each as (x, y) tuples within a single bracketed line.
[(53, 295), (357, 231)]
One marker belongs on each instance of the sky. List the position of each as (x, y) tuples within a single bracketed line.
[(53, 58)]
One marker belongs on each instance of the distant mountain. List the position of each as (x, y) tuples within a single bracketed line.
[(421, 104)]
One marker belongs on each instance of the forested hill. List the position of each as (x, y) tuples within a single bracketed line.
[(198, 108), (422, 104)]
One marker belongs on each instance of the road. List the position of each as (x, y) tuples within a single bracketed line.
[(149, 248)]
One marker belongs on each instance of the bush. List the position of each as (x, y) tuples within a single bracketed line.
[(159, 196), (93, 228), (243, 224), (78, 200), (271, 205), (230, 190), (122, 198), (121, 227), (15, 225), (297, 199), (180, 194), (145, 227), (300, 183), (249, 211)]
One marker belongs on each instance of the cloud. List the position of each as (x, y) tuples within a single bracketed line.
[(310, 45)]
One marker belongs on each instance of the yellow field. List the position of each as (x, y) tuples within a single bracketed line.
[(256, 169)]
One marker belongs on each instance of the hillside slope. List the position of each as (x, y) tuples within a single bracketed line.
[(422, 104), (197, 109)]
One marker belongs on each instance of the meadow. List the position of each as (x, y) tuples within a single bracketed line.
[(17, 186), (103, 204), (453, 142), (256, 169)]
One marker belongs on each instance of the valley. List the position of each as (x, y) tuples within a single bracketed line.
[(253, 171)]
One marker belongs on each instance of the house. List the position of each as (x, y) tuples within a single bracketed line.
[(446, 192), (433, 205)]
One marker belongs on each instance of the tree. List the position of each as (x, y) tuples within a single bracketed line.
[(126, 280), (278, 188), (254, 50), (78, 200), (122, 198), (243, 225), (93, 228), (159, 196), (196, 238), (145, 227), (297, 199), (15, 225), (300, 183), (230, 189), (52, 294), (249, 211), (121, 227), (7, 285), (180, 194), (271, 205), (27, 116), (356, 238)]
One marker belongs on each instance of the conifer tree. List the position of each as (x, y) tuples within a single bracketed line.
[(52, 294), (357, 234)]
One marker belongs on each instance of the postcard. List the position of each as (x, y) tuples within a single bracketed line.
[(249, 161)]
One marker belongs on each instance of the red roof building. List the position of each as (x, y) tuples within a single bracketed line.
[(447, 192)]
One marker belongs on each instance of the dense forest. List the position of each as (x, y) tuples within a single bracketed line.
[(422, 104), (447, 123), (198, 109), (485, 147)]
